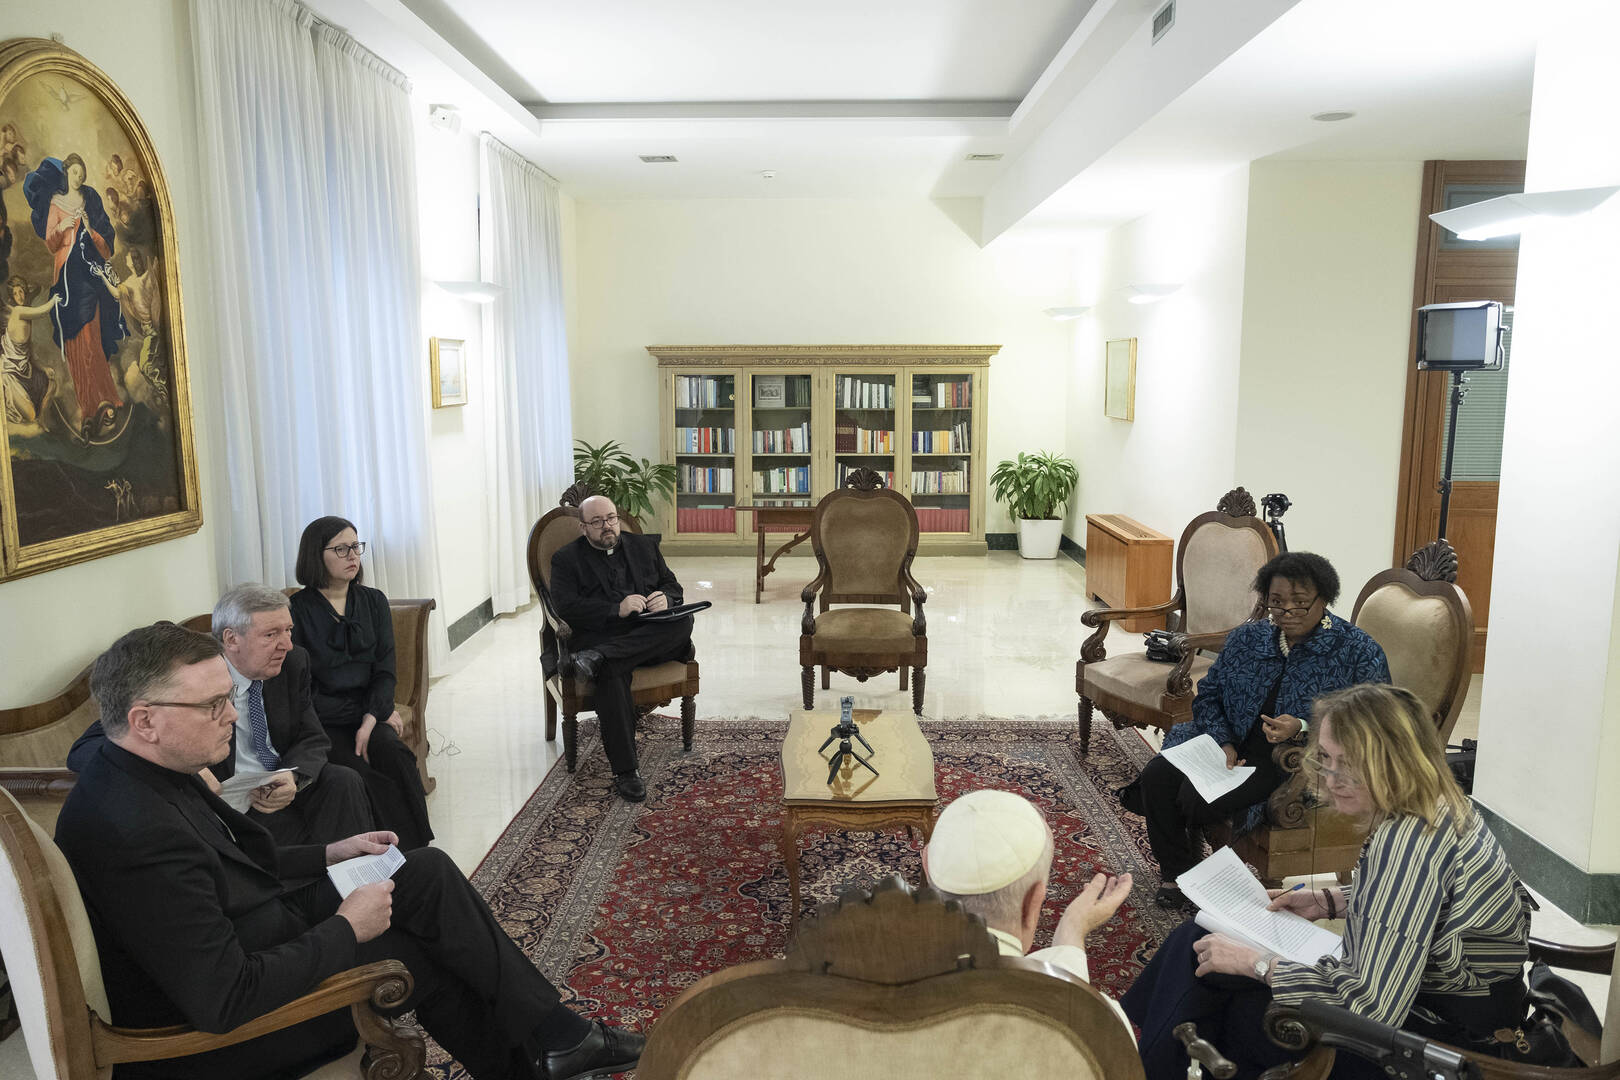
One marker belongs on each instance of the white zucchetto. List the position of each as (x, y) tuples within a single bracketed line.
[(985, 841)]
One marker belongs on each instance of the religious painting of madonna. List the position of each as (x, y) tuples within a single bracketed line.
[(99, 455)]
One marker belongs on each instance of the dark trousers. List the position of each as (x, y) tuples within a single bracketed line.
[(1174, 809), (645, 643), (332, 807), (391, 780)]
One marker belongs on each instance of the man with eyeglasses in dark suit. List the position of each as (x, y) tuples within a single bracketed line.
[(601, 584)]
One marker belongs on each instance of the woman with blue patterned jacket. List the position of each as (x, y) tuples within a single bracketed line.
[(1256, 694)]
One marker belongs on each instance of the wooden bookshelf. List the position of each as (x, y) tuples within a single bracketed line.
[(804, 416)]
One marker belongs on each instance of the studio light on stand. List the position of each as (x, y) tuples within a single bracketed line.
[(1458, 338)]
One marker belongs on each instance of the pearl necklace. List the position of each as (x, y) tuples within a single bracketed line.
[(1282, 638)]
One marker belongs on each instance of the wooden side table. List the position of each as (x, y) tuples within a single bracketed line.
[(1128, 565), (797, 519), (901, 795)]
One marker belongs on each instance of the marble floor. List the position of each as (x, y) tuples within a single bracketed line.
[(1004, 634)]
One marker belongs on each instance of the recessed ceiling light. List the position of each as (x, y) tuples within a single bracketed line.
[(1332, 115), (983, 157), (658, 159)]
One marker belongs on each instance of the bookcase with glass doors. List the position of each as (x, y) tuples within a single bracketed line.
[(782, 425)]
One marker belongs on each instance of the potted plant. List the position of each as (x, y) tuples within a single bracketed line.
[(635, 486), (1035, 488)]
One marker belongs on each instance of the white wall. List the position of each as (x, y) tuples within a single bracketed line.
[(447, 190), (1176, 459), (1327, 299), (769, 271), (53, 624)]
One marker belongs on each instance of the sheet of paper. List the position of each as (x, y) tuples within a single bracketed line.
[(236, 788), (351, 874), (1203, 762), (1232, 901)]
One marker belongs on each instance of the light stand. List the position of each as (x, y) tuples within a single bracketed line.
[(1459, 390)]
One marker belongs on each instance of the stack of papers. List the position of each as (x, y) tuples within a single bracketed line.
[(236, 788), (351, 874), (1203, 762), (1232, 901)]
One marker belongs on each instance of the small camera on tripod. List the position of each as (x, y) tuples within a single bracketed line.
[(842, 733)]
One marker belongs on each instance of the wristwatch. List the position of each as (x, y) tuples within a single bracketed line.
[(1262, 967)]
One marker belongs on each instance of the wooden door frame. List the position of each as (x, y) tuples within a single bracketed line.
[(1489, 271)]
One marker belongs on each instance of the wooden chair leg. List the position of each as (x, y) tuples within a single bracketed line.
[(904, 671), (688, 721), (917, 691), (1085, 725), (808, 677), (826, 677), (570, 739), (551, 718)]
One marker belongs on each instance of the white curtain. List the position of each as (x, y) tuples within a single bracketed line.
[(528, 440), (309, 179)]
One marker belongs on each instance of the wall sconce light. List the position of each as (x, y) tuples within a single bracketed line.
[(1064, 314), (479, 292), (1148, 294), (1509, 214)]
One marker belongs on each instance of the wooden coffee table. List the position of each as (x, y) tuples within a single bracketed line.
[(902, 794)]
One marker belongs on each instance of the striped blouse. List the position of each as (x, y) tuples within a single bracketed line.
[(1430, 911)]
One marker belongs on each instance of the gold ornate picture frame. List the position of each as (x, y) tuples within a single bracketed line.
[(447, 367), (1119, 379), (99, 454)]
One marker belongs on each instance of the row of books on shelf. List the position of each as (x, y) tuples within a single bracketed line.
[(951, 440), (705, 440), (942, 395), (851, 438), (703, 391), (695, 479), (941, 482), (932, 519), (845, 471), (782, 481), (705, 519), (859, 393), (793, 440)]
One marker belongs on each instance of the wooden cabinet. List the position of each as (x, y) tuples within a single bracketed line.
[(785, 424), (1128, 565)]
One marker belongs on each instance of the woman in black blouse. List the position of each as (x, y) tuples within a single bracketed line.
[(349, 633)]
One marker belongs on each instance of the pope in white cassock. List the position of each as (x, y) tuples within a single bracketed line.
[(992, 852)]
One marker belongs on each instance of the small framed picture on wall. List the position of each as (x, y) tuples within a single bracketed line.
[(1119, 384), (447, 361)]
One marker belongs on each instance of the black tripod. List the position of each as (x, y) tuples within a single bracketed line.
[(1459, 390), (842, 732)]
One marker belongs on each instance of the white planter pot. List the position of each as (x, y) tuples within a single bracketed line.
[(1039, 539)]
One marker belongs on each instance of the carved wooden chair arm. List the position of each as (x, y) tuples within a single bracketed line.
[(807, 625), (919, 597), (1093, 650), (35, 783), (1598, 959), (382, 985), (1286, 807)]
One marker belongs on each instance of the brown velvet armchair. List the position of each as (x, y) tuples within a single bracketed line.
[(1216, 562), (650, 686), (884, 985), (1424, 624), (55, 976), (864, 537)]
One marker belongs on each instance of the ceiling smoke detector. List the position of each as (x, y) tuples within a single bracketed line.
[(983, 157), (1332, 115), (657, 159), (767, 174)]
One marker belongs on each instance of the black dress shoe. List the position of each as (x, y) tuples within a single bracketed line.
[(1168, 897), (605, 1051), (630, 786), (587, 662)]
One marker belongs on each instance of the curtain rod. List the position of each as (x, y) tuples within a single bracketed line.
[(496, 140)]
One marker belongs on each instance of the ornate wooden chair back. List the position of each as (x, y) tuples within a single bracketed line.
[(865, 539), (1219, 555)]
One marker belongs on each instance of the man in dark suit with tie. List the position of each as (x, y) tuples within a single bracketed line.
[(601, 584), (303, 800), (200, 918)]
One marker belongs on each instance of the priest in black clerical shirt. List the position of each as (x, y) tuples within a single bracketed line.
[(601, 585)]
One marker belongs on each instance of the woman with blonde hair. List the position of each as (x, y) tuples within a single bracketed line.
[(1436, 922)]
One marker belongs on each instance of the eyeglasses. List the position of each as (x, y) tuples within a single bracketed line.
[(1292, 612), (1339, 776), (343, 551), (597, 523), (215, 706)]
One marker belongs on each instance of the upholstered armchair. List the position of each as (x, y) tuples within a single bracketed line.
[(55, 978), (650, 686), (1423, 622), (1216, 561), (885, 985), (864, 537)]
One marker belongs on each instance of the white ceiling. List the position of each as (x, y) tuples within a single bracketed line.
[(885, 98)]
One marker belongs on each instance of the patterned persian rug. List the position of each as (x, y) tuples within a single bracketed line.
[(625, 906)]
